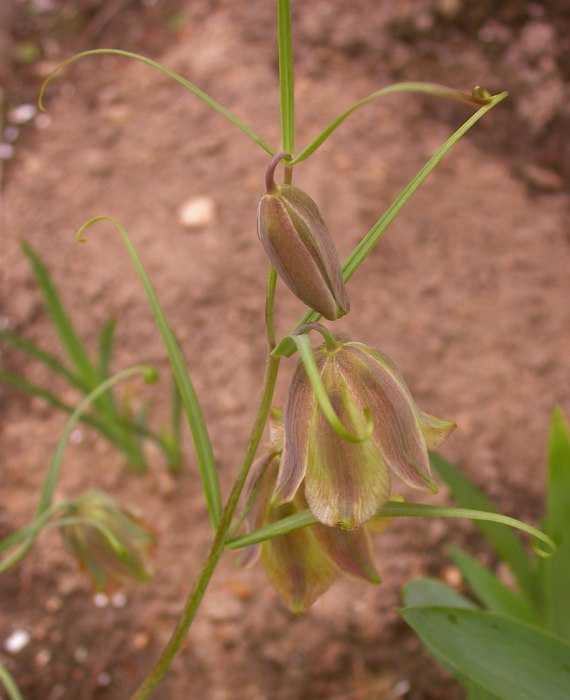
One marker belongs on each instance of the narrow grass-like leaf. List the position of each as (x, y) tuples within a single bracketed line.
[(206, 461), (509, 548), (514, 660), (286, 347), (555, 574), (105, 350), (171, 74), (426, 88), (61, 321), (395, 509), (286, 79), (10, 684), (492, 592), (50, 482), (46, 358)]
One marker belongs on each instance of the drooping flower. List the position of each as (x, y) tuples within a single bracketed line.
[(346, 483), (303, 564), (109, 542), (299, 245)]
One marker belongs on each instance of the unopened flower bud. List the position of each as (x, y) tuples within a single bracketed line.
[(299, 245), (108, 541)]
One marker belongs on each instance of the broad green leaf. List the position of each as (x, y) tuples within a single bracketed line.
[(286, 80), (511, 659), (206, 461), (555, 574), (171, 74), (286, 347), (506, 544), (492, 592), (431, 592)]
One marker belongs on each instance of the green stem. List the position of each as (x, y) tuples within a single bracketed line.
[(10, 684), (269, 305), (195, 598), (286, 82), (223, 531)]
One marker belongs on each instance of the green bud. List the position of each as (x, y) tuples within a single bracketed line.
[(347, 483), (299, 245), (108, 541)]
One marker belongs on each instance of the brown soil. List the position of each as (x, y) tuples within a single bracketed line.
[(468, 293)]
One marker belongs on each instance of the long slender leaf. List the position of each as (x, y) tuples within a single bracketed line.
[(555, 574), (105, 350), (171, 74), (426, 88), (46, 358), (393, 509), (514, 660), (61, 321), (286, 347), (10, 684), (492, 592), (506, 544), (205, 456), (52, 475)]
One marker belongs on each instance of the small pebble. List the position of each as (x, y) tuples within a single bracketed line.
[(119, 600), (101, 600), (196, 213), (18, 640), (104, 679), (141, 640), (22, 114), (401, 688), (80, 655), (43, 658), (76, 436)]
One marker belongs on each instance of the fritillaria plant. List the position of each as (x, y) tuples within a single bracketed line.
[(350, 422)]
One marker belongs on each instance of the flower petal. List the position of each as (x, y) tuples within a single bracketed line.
[(301, 404), (435, 430), (346, 483), (376, 384), (295, 565)]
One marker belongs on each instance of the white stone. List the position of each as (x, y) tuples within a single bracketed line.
[(196, 212)]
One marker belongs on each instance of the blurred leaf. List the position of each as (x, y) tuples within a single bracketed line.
[(492, 593), (61, 321), (44, 357), (105, 350), (511, 659), (431, 592), (506, 544), (555, 572)]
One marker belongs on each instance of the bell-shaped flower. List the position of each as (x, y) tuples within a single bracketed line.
[(109, 542), (347, 481), (299, 245), (303, 564)]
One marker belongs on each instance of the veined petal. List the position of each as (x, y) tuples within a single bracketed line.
[(397, 433), (346, 483), (295, 565), (435, 430), (299, 412)]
